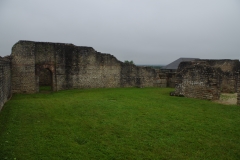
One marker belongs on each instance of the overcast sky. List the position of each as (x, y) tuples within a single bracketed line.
[(145, 31)]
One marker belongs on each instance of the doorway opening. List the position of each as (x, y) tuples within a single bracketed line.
[(45, 80)]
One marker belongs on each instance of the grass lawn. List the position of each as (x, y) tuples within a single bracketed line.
[(44, 89), (122, 123)]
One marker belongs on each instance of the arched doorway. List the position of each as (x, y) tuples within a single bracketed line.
[(45, 77)]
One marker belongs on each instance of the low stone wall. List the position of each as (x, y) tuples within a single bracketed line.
[(5, 80)]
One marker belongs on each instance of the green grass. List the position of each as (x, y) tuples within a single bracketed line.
[(45, 88), (122, 123)]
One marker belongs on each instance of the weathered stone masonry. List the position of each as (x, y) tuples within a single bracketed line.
[(206, 79), (229, 73), (5, 80), (198, 81), (73, 67)]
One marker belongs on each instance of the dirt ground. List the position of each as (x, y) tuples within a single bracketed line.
[(227, 98)]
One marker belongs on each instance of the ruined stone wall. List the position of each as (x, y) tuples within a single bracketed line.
[(229, 82), (162, 82), (226, 65), (131, 75), (198, 81), (229, 70), (169, 77), (83, 67), (74, 67), (229, 75), (23, 68), (5, 80)]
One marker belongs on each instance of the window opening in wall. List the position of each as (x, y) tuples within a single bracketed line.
[(45, 80)]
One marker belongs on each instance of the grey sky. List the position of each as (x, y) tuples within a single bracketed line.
[(145, 31)]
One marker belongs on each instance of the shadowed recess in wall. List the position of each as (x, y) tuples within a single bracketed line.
[(45, 80)]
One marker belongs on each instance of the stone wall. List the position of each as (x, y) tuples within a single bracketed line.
[(5, 80), (168, 77), (23, 68), (162, 82), (198, 81), (229, 72), (226, 65), (72, 66), (206, 79), (229, 82)]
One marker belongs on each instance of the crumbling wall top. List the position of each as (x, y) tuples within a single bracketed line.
[(55, 45)]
